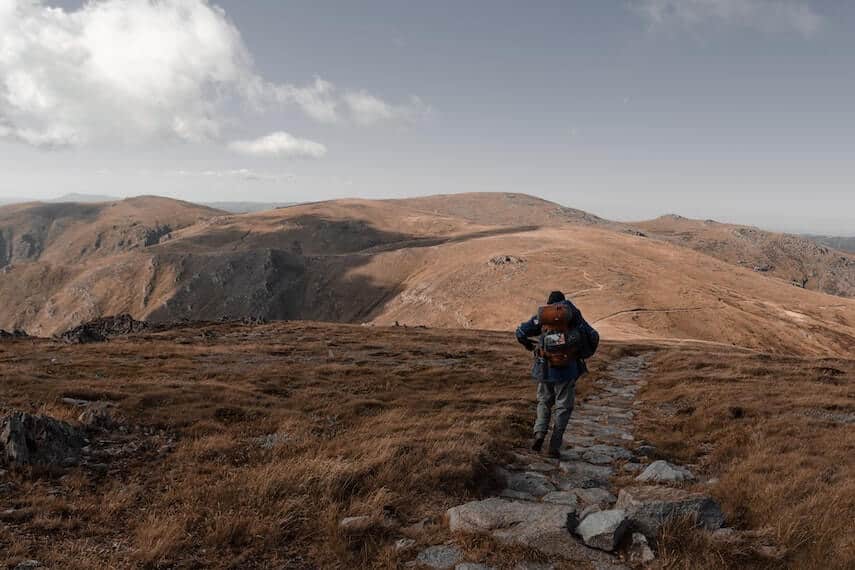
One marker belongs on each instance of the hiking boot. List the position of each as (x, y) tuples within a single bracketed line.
[(537, 442), (554, 447)]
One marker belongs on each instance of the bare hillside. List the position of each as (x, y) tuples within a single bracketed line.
[(793, 258), (395, 261), (503, 209)]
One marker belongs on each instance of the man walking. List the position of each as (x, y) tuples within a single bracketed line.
[(564, 339)]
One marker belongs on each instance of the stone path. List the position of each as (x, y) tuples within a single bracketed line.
[(568, 509)]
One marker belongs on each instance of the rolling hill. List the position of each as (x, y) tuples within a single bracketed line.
[(480, 261)]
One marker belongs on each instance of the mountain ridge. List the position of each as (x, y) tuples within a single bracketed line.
[(431, 261)]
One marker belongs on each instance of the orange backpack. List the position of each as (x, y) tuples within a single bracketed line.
[(560, 338)]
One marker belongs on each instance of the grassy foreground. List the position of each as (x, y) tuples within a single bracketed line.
[(246, 445)]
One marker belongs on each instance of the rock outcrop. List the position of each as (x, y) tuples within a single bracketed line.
[(36, 440), (16, 334), (102, 329)]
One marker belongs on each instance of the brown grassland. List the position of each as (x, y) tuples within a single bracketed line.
[(396, 424)]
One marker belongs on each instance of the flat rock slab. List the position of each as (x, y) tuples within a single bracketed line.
[(613, 451), (534, 566), (649, 507), (540, 526), (531, 482), (603, 529), (543, 467), (584, 475), (517, 495), (567, 498), (597, 458), (594, 496), (663, 472), (440, 557)]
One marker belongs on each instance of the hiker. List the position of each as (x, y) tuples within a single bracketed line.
[(565, 339)]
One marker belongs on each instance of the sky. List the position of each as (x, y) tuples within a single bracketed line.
[(737, 110)]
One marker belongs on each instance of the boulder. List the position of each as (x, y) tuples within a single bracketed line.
[(648, 508), (473, 566), (603, 529), (663, 472), (441, 557), (27, 439)]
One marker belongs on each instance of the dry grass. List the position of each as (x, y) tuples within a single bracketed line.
[(779, 434), (395, 424), (388, 423)]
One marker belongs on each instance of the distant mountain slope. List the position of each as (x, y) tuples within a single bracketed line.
[(792, 258), (246, 207), (431, 262), (495, 208), (841, 243), (67, 233)]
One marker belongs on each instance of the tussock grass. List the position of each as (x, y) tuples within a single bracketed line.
[(282, 430), (275, 442), (779, 434)]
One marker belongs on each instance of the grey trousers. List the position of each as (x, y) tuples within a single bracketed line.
[(562, 397)]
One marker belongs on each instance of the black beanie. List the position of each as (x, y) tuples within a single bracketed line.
[(555, 297)]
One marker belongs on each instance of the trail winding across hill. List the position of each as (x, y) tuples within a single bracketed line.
[(643, 310)]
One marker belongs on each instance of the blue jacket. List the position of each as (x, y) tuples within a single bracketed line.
[(531, 328)]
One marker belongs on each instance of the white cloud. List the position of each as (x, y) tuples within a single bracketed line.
[(281, 145), (318, 99), (366, 109), (765, 15), (126, 69), (133, 71)]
